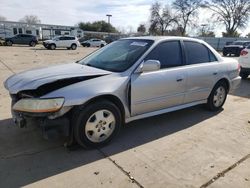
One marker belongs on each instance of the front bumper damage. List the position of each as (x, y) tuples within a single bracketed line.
[(52, 125)]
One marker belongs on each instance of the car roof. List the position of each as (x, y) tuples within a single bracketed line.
[(162, 38), (65, 36)]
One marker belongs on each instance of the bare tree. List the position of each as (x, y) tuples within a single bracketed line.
[(161, 18), (30, 19), (187, 10), (233, 13), (2, 18), (141, 28)]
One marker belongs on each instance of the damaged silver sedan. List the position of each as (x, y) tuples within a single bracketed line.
[(88, 101)]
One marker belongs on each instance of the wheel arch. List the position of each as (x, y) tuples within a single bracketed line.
[(226, 81), (109, 97)]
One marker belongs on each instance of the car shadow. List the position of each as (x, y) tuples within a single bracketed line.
[(26, 158), (243, 90)]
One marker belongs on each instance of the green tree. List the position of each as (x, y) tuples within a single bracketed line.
[(141, 28), (233, 14), (161, 18), (187, 10), (99, 26)]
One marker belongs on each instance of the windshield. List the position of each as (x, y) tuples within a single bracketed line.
[(118, 56), (55, 38)]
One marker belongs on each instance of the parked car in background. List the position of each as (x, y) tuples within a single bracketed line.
[(244, 61), (69, 42), (235, 48), (25, 39), (130, 79), (94, 43)]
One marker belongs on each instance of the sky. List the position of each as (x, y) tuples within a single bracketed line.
[(126, 14)]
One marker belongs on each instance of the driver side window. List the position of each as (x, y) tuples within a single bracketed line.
[(168, 53)]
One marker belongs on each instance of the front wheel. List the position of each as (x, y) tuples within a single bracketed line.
[(96, 124), (217, 97), (52, 47)]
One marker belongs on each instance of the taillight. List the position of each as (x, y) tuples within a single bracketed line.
[(243, 52)]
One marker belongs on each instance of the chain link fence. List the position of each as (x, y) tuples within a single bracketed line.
[(219, 43)]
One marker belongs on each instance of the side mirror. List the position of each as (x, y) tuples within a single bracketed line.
[(149, 65)]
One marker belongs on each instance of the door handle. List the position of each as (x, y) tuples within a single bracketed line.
[(215, 73)]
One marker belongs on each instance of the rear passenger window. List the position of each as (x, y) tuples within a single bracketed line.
[(168, 53), (198, 53)]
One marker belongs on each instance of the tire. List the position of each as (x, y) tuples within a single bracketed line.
[(102, 45), (32, 43), (9, 43), (243, 75), (91, 131), (73, 47), (52, 46), (224, 53), (88, 45), (217, 96)]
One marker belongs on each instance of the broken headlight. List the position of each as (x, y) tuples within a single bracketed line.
[(39, 105)]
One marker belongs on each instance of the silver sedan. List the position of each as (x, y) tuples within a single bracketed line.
[(133, 78)]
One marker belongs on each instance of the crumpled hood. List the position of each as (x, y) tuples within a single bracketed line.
[(32, 79)]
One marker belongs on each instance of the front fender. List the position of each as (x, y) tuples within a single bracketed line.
[(82, 92)]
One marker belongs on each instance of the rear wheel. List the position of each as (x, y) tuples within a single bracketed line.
[(32, 43), (96, 124), (217, 97), (243, 75), (102, 45), (88, 45), (73, 46)]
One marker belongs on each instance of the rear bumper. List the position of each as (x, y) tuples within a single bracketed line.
[(235, 83)]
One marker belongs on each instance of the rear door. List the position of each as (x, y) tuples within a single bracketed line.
[(202, 71), (26, 39), (157, 90)]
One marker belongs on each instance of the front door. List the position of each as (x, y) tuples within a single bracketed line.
[(157, 90)]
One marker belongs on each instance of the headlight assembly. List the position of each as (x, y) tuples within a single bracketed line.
[(39, 105)]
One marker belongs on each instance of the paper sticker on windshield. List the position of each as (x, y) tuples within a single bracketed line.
[(138, 44)]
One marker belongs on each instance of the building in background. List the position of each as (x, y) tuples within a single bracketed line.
[(42, 31), (47, 31)]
